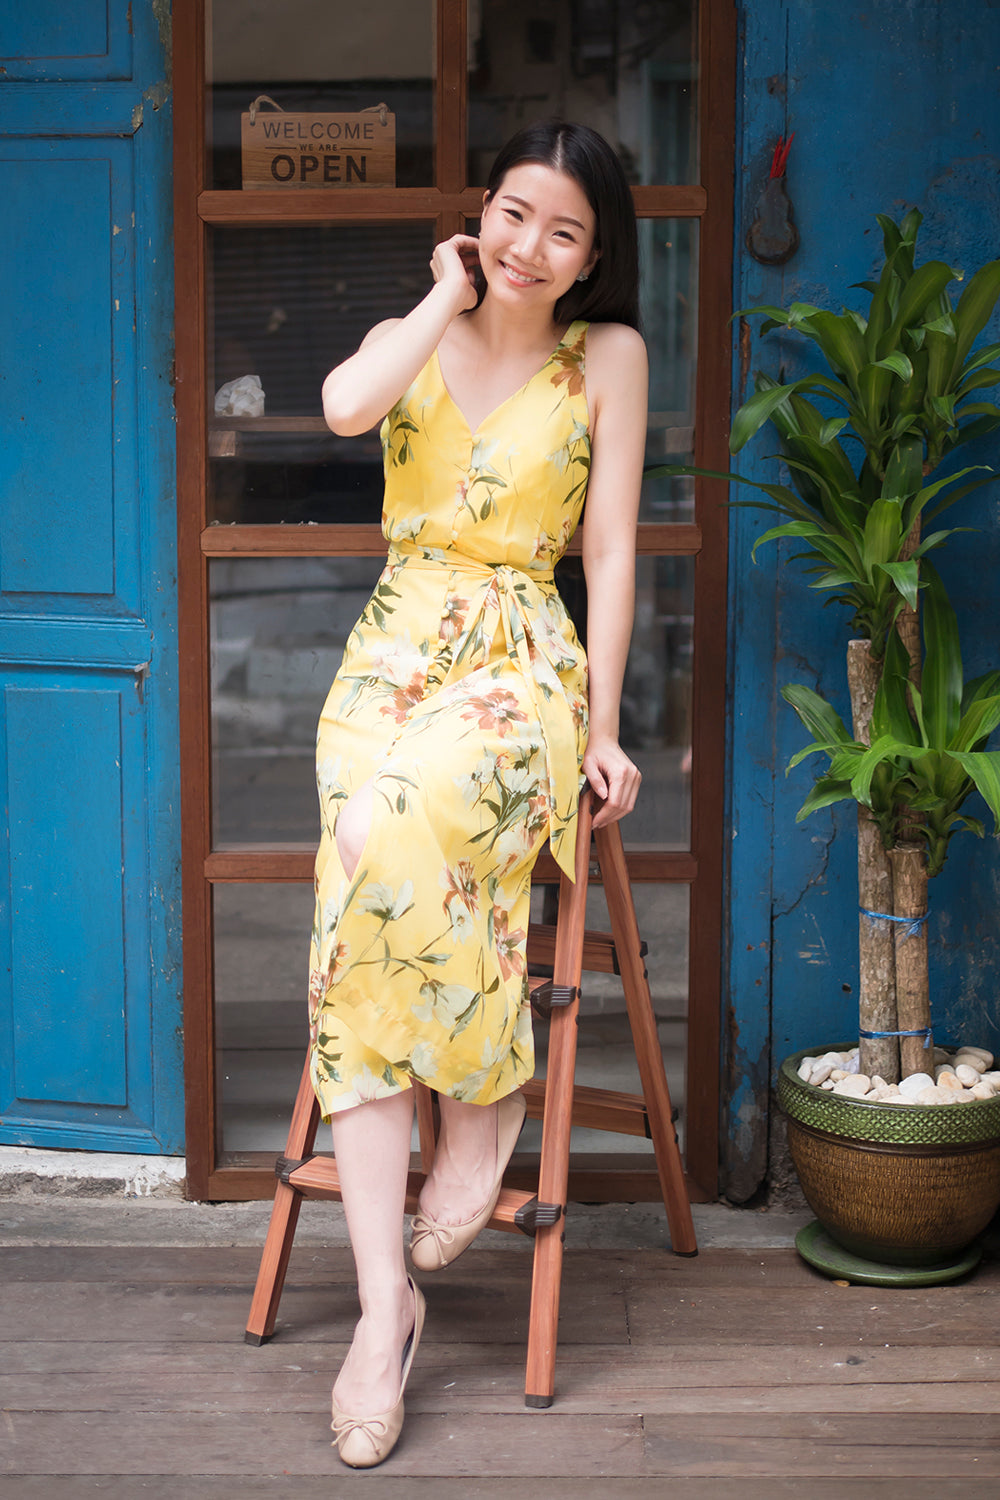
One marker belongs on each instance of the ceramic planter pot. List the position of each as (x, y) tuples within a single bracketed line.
[(909, 1185)]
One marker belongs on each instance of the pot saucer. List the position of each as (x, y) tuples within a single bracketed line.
[(822, 1251)]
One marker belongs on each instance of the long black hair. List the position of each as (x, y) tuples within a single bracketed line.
[(611, 292)]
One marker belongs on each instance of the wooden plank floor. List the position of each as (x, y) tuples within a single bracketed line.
[(123, 1373)]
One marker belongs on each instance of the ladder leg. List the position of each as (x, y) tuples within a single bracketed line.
[(553, 1178), (427, 1123), (649, 1055), (284, 1218)]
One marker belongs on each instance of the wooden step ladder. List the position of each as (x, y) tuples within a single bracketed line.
[(567, 948)]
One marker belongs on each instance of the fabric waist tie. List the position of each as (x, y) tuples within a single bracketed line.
[(517, 601)]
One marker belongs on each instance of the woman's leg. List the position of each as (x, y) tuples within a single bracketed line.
[(353, 826), (465, 1162), (372, 1145)]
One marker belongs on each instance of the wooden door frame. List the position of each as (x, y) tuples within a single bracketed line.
[(449, 202)]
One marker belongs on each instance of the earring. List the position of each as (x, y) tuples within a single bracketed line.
[(583, 276)]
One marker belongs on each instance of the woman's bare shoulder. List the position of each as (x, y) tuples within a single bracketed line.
[(615, 344), (617, 366)]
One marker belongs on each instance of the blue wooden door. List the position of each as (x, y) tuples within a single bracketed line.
[(90, 937)]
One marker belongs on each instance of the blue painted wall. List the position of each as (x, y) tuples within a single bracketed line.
[(89, 842), (893, 103)]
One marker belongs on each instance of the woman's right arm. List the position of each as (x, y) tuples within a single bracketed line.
[(359, 392)]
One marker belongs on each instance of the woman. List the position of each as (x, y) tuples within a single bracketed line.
[(455, 738)]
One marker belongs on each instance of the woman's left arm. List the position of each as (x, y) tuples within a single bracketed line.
[(617, 393)]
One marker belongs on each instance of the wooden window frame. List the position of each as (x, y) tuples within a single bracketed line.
[(212, 1174)]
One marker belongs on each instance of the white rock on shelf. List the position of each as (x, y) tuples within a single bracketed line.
[(910, 1087), (828, 1083), (838, 1074), (933, 1095), (949, 1081), (805, 1068), (854, 1086), (983, 1090), (970, 1060), (820, 1074), (986, 1056), (993, 1078), (968, 1075)]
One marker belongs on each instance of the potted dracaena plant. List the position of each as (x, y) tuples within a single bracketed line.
[(862, 441)]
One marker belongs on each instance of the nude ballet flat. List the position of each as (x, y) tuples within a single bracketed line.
[(363, 1442), (434, 1245)]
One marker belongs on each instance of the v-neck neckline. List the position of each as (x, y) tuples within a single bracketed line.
[(475, 431)]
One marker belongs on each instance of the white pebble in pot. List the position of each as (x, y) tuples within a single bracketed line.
[(910, 1087)]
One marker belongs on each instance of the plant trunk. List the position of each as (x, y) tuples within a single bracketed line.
[(913, 999), (876, 949)]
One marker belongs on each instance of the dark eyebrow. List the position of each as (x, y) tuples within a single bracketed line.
[(560, 219)]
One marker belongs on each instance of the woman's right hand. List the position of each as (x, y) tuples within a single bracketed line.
[(454, 264)]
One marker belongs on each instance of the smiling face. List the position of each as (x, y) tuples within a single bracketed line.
[(536, 236)]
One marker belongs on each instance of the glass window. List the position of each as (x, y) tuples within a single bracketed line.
[(627, 69), (325, 57), (279, 627), (261, 1018), (288, 305)]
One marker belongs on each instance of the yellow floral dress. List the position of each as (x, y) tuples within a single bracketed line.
[(463, 693)]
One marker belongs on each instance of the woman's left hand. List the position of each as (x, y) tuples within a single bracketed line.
[(613, 778)]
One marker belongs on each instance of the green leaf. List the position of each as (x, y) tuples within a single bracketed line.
[(904, 471), (825, 792), (891, 709), (822, 721), (881, 749), (754, 413), (905, 575), (831, 429), (891, 237), (924, 286), (910, 225), (978, 722), (978, 381), (941, 682), (840, 340), (974, 308), (981, 357), (791, 528), (984, 768), (814, 748), (776, 314), (897, 363), (985, 686), (883, 534)]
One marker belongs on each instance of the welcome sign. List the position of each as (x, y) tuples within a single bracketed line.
[(319, 150)]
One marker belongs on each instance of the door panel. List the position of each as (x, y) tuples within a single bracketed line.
[(90, 986)]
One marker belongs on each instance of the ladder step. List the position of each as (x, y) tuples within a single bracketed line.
[(599, 953), (595, 1109), (317, 1177)]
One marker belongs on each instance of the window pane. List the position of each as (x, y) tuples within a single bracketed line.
[(656, 694), (279, 627), (287, 305), (630, 70), (261, 1019), (669, 300), (326, 57)]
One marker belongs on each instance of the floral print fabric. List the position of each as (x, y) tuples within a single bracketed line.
[(462, 696)]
